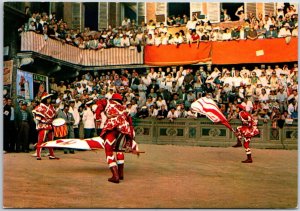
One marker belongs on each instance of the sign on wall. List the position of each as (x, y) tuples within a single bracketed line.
[(7, 72)]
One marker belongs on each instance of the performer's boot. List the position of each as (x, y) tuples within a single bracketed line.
[(121, 171), (238, 144), (115, 175), (248, 160)]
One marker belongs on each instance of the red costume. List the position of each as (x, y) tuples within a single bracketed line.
[(117, 125), (246, 131), (44, 115)]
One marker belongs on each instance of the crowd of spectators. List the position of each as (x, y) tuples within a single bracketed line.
[(268, 92), (281, 24)]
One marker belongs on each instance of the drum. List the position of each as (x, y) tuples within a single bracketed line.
[(60, 128)]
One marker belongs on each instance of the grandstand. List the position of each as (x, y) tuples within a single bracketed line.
[(197, 48)]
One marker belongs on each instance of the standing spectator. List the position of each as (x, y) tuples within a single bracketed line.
[(88, 120), (23, 121), (292, 109), (9, 126), (74, 110)]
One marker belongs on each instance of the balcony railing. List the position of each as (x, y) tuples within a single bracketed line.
[(56, 49), (219, 52)]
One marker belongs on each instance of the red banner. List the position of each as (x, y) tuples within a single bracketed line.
[(255, 51), (173, 55)]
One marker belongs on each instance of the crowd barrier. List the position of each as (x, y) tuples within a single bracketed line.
[(203, 132), (31, 41), (219, 52)]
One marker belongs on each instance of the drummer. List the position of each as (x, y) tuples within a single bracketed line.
[(44, 114), (68, 117)]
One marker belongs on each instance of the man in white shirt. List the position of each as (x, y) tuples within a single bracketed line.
[(172, 114), (285, 31), (125, 42), (73, 110)]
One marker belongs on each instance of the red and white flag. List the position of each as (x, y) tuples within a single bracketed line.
[(209, 108), (84, 144)]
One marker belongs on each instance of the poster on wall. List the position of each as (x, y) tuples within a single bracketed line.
[(7, 72), (40, 85), (24, 85)]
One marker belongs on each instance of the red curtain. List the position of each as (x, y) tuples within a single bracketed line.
[(257, 51), (172, 55)]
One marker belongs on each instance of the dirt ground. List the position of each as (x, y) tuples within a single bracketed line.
[(164, 177)]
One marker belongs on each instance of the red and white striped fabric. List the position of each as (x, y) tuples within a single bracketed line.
[(30, 41), (209, 108)]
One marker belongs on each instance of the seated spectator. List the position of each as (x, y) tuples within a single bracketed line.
[(176, 40), (162, 28), (131, 109), (153, 111), (172, 114), (157, 39), (272, 32), (226, 35), (149, 101), (117, 41), (124, 41), (235, 33), (31, 26), (162, 113), (164, 39), (295, 31), (252, 33), (160, 102), (134, 40), (150, 40), (285, 31), (263, 115), (143, 113), (195, 38), (205, 36), (261, 31)]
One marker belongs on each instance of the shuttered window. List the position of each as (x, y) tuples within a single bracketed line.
[(213, 12), (195, 7), (103, 15), (269, 9), (160, 13), (76, 15), (141, 12), (250, 7)]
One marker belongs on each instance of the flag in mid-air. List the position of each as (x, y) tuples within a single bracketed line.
[(209, 108)]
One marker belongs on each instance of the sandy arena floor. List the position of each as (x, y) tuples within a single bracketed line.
[(163, 177)]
